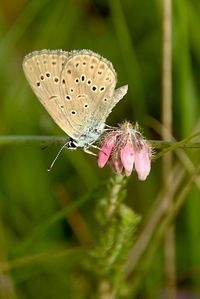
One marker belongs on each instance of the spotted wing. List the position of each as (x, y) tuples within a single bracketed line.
[(42, 70), (88, 87)]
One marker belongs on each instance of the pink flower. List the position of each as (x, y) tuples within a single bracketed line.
[(125, 150), (106, 149)]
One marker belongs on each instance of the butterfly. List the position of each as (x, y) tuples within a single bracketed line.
[(77, 89)]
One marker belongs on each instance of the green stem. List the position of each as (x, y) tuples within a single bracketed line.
[(117, 224), (59, 140)]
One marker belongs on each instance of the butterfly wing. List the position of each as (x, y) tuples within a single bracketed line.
[(42, 70), (89, 88)]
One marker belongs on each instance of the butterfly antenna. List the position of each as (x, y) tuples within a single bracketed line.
[(56, 157)]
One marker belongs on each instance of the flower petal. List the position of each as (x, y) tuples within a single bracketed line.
[(143, 163), (116, 164), (127, 155), (105, 151)]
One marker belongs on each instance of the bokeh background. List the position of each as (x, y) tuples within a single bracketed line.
[(40, 243)]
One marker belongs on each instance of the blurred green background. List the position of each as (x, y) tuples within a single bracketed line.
[(40, 244)]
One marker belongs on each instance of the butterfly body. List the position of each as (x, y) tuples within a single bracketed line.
[(77, 89)]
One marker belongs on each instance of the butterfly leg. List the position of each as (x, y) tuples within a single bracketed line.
[(86, 150)]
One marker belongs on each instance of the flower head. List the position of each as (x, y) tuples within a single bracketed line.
[(125, 150)]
